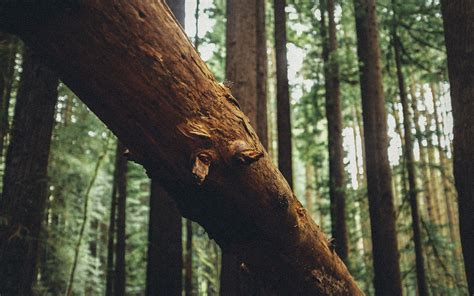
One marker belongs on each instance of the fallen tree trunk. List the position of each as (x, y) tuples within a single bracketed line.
[(134, 67)]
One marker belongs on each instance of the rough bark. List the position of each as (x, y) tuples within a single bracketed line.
[(410, 165), (165, 253), (382, 215), (25, 181), (139, 73), (246, 72), (283, 94), (121, 184), (458, 26), (335, 145)]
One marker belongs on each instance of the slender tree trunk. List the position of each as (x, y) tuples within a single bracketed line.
[(165, 251), (335, 145), (410, 164), (109, 282), (146, 81), (25, 181), (262, 74), (458, 25), (84, 220), (283, 94), (121, 184), (382, 215)]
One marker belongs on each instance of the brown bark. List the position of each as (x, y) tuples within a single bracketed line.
[(458, 24), (262, 74), (335, 145), (165, 247), (283, 94), (410, 165), (121, 184), (25, 181), (165, 251), (246, 70), (382, 215), (187, 131)]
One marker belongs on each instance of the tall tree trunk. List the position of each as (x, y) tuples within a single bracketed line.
[(165, 250), (109, 282), (262, 74), (458, 26), (382, 216), (246, 69), (121, 183), (335, 145), (164, 271), (283, 94), (410, 164), (25, 180), (146, 81)]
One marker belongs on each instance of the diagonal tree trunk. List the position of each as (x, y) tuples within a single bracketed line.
[(458, 26), (136, 69), (25, 181)]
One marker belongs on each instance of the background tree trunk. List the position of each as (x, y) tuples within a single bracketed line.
[(25, 181), (410, 165), (246, 66), (283, 94), (109, 281), (121, 179), (459, 26), (382, 215), (335, 145), (165, 253), (164, 271), (187, 131)]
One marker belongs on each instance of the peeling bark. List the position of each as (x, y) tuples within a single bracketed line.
[(136, 69)]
